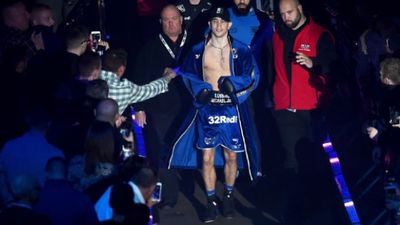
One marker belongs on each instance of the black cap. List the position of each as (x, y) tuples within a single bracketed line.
[(221, 13)]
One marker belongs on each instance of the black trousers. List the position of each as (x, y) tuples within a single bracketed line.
[(300, 133), (308, 181)]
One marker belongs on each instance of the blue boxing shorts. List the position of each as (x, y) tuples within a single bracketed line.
[(218, 124)]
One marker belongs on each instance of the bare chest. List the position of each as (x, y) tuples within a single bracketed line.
[(216, 64)]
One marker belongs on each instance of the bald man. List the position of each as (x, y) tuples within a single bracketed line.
[(304, 53), (107, 111)]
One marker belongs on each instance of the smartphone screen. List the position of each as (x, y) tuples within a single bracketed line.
[(95, 36), (156, 196)]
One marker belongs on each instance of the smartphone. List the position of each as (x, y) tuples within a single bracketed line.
[(124, 132), (95, 36), (156, 196)]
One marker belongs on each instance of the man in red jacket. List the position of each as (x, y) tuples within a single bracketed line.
[(303, 54)]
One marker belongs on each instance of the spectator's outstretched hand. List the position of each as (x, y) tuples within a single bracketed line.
[(169, 74)]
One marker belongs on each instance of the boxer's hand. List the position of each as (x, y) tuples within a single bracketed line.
[(203, 96), (226, 86)]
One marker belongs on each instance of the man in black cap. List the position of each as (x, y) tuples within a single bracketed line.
[(220, 73)]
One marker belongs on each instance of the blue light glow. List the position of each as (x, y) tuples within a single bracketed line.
[(340, 182)]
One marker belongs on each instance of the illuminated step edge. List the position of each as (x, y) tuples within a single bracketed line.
[(341, 182)]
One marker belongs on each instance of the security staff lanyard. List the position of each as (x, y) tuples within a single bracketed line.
[(167, 46)]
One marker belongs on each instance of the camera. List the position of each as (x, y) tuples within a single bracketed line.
[(156, 196)]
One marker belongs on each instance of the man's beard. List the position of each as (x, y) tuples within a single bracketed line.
[(294, 23), (243, 10)]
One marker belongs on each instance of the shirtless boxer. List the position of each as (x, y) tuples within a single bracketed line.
[(220, 73)]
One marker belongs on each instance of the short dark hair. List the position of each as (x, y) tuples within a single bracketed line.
[(37, 7), (131, 165), (7, 4), (121, 198), (75, 35), (97, 89), (88, 62), (99, 145), (145, 177), (114, 58), (38, 117), (390, 68)]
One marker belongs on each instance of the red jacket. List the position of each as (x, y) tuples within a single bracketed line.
[(306, 88)]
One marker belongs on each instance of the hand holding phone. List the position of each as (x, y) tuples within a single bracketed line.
[(156, 196), (95, 38)]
